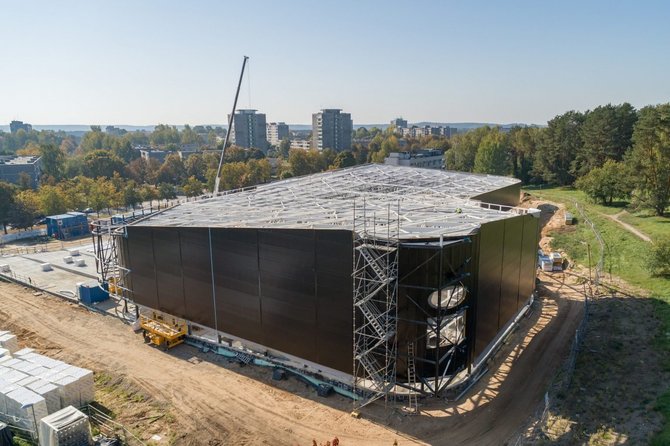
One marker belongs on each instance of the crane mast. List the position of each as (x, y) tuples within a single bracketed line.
[(230, 126)]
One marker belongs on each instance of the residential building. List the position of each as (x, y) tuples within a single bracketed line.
[(158, 155), (399, 123), (13, 168), (249, 130), (15, 126), (427, 130), (424, 158), (304, 144), (331, 129), (276, 132)]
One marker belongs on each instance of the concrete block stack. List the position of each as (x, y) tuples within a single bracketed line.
[(33, 386), (8, 341)]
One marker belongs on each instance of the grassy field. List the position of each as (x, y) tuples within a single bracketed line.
[(624, 257)]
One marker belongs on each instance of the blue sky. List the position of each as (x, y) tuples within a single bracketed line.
[(145, 62)]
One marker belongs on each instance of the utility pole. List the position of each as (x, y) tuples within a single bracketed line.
[(230, 126)]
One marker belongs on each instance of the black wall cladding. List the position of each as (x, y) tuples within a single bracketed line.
[(507, 261), (291, 290), (286, 289)]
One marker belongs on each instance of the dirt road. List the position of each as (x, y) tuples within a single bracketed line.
[(210, 401), (630, 228)]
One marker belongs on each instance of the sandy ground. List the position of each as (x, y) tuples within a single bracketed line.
[(201, 399), (215, 402)]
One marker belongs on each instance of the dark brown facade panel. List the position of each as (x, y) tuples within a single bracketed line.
[(527, 273), (490, 276), (142, 266), (169, 282), (197, 275), (511, 261), (507, 196)]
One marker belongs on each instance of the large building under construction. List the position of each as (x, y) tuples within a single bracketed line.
[(386, 278)]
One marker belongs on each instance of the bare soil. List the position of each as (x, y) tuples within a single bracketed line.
[(188, 397), (191, 398)]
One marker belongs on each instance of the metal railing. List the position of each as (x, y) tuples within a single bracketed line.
[(109, 427)]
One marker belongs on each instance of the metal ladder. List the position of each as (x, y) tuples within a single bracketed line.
[(412, 403)]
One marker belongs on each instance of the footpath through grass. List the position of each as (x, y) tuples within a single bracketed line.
[(625, 256)]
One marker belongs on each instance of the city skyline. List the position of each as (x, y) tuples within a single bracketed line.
[(148, 63)]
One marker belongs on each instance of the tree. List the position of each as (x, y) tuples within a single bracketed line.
[(299, 162), (284, 148), (560, 143), (258, 172), (606, 133), (344, 159), (131, 195), (492, 154), (148, 193), (195, 167), (193, 187), (102, 195), (25, 182), (102, 163), (650, 157), (52, 160), (464, 148), (7, 195), (24, 210), (604, 184), (51, 200), (164, 135), (93, 140), (232, 175), (166, 191), (389, 144), (172, 171), (658, 258), (523, 145)]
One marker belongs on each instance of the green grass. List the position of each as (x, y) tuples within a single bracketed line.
[(624, 252), (652, 225), (624, 257)]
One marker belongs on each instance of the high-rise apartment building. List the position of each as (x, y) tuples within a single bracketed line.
[(249, 129), (331, 129), (277, 131), (399, 123)]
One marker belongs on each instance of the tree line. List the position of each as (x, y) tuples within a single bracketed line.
[(611, 152)]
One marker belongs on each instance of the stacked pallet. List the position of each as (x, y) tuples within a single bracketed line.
[(33, 386), (67, 427), (18, 404), (8, 341)]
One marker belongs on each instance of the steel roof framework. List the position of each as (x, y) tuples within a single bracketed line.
[(432, 202)]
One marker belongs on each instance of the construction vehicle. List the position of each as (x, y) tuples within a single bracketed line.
[(161, 333)]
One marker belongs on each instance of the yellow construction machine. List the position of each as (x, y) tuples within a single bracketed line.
[(161, 333)]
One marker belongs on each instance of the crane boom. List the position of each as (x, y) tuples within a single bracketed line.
[(230, 126)]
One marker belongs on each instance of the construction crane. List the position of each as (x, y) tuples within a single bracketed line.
[(230, 126)]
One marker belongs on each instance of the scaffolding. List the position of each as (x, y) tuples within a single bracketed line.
[(106, 239), (375, 299), (443, 330)]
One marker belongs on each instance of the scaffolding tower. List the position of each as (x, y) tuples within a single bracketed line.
[(375, 298), (106, 239)]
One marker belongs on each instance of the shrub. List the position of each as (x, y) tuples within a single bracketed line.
[(658, 259)]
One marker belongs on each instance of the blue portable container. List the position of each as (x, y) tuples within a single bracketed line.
[(90, 293), (66, 226)]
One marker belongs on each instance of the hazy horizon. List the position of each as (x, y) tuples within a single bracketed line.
[(151, 62)]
